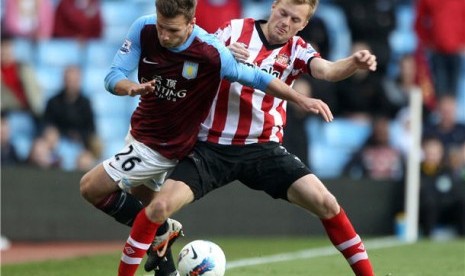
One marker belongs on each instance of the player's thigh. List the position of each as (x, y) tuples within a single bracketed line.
[(96, 184), (274, 172), (311, 194)]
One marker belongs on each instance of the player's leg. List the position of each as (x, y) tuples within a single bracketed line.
[(283, 175), (159, 255), (137, 169), (310, 193), (99, 189), (172, 197)]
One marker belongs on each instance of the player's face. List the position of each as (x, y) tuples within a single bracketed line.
[(172, 32), (286, 19)]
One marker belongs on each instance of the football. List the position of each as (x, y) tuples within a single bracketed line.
[(201, 257)]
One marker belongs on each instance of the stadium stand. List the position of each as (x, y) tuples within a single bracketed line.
[(330, 144)]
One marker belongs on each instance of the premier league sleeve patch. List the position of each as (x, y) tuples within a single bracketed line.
[(126, 47), (189, 71)]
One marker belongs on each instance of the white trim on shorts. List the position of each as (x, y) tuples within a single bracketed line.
[(136, 164)]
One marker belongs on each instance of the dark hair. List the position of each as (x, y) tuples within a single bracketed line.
[(173, 8)]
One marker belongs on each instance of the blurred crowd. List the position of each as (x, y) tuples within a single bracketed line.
[(418, 45)]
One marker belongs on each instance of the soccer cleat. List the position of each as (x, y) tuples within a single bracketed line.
[(159, 249)]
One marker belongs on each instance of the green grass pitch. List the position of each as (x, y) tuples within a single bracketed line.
[(295, 256)]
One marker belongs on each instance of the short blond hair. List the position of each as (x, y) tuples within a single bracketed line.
[(312, 3)]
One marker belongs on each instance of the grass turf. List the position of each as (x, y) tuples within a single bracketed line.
[(445, 258)]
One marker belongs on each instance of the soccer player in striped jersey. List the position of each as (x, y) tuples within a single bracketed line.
[(180, 68), (241, 137)]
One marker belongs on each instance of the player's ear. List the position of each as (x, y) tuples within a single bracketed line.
[(191, 24)]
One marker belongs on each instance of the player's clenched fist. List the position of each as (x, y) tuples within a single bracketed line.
[(365, 60)]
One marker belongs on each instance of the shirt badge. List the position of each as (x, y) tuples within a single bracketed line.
[(189, 71), (126, 47), (282, 59)]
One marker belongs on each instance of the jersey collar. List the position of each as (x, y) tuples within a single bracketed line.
[(263, 37)]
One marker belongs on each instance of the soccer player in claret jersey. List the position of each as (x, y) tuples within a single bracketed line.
[(180, 68), (240, 139)]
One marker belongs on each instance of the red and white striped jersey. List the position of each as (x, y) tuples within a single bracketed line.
[(241, 115)]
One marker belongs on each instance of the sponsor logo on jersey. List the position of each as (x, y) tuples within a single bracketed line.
[(166, 89), (268, 69), (126, 47), (189, 71)]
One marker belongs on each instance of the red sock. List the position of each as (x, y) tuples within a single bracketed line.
[(139, 240), (345, 239)]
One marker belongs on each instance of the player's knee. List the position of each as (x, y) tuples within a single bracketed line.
[(329, 206), (85, 188), (159, 210)]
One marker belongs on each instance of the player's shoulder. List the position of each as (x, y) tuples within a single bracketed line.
[(298, 41), (207, 39), (243, 20), (241, 23), (149, 19)]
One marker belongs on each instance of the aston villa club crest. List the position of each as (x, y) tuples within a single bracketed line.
[(189, 71), (282, 59)]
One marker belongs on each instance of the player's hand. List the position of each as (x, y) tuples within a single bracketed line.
[(365, 60), (316, 106), (142, 89), (239, 51)]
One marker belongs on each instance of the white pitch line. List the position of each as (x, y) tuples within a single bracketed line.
[(311, 253)]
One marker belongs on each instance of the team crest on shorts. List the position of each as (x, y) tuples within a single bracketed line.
[(189, 71)]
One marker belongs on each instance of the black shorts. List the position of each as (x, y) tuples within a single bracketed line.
[(265, 166)]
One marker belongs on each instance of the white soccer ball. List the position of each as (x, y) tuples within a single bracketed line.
[(201, 258)]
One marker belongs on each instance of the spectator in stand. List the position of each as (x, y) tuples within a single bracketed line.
[(457, 161), (20, 90), (71, 113), (442, 198), (43, 153), (361, 96), (440, 27), (85, 161), (80, 19), (8, 151), (32, 19), (445, 126), (211, 14), (398, 89), (377, 159), (371, 21)]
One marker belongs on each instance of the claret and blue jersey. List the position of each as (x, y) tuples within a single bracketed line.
[(187, 79)]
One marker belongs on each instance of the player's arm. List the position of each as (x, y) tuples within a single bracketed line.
[(238, 49), (126, 61), (341, 69), (281, 90)]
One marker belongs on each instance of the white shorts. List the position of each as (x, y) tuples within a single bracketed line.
[(136, 164)]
